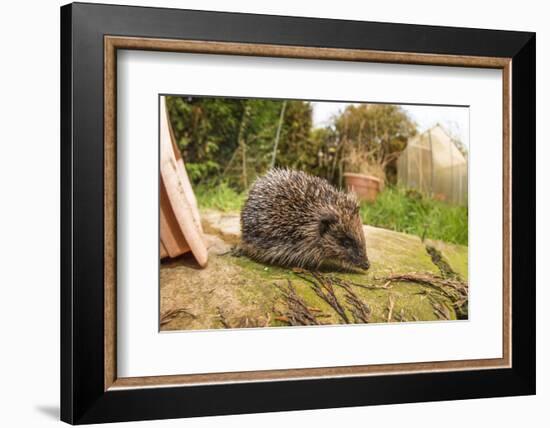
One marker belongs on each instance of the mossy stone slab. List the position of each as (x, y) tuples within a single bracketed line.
[(238, 292)]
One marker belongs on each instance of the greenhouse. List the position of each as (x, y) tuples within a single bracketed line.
[(433, 164)]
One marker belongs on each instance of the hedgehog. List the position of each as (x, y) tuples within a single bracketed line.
[(293, 219)]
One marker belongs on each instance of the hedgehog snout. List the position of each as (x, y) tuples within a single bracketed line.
[(358, 258), (361, 261), (365, 264)]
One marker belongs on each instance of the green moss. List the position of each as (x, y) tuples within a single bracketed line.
[(455, 255), (393, 251), (389, 252), (411, 301), (247, 290)]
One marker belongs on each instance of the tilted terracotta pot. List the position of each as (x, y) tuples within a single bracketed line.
[(180, 224), (366, 187)]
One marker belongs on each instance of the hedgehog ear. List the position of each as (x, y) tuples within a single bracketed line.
[(325, 221)]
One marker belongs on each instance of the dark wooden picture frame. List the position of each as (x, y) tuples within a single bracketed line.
[(90, 390)]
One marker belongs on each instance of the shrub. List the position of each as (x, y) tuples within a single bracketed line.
[(411, 212), (221, 197)]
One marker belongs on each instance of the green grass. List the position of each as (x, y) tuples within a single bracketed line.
[(411, 212), (221, 197), (395, 208)]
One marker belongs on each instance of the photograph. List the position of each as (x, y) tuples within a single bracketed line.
[(272, 212), (287, 212)]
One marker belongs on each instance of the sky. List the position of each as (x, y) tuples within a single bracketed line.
[(454, 119)]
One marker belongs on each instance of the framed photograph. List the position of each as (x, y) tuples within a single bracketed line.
[(266, 213)]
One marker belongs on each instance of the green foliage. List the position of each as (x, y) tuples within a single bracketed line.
[(227, 142), (198, 170), (205, 130), (221, 197), (371, 137), (295, 150), (211, 133), (232, 139), (411, 212), (324, 141)]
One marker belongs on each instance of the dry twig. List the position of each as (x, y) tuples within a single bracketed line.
[(452, 287), (359, 309), (391, 303), (324, 289), (401, 316), (434, 281), (172, 314), (297, 312), (222, 318), (323, 286)]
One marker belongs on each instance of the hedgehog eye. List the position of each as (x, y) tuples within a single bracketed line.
[(346, 242), (325, 222)]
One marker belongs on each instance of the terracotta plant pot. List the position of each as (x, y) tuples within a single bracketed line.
[(366, 187), (180, 224)]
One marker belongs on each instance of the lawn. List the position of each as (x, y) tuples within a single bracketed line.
[(411, 212), (396, 209)]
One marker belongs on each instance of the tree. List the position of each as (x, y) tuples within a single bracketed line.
[(232, 139), (452, 128), (295, 149), (371, 137), (206, 132)]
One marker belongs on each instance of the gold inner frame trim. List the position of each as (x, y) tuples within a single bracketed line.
[(113, 43)]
